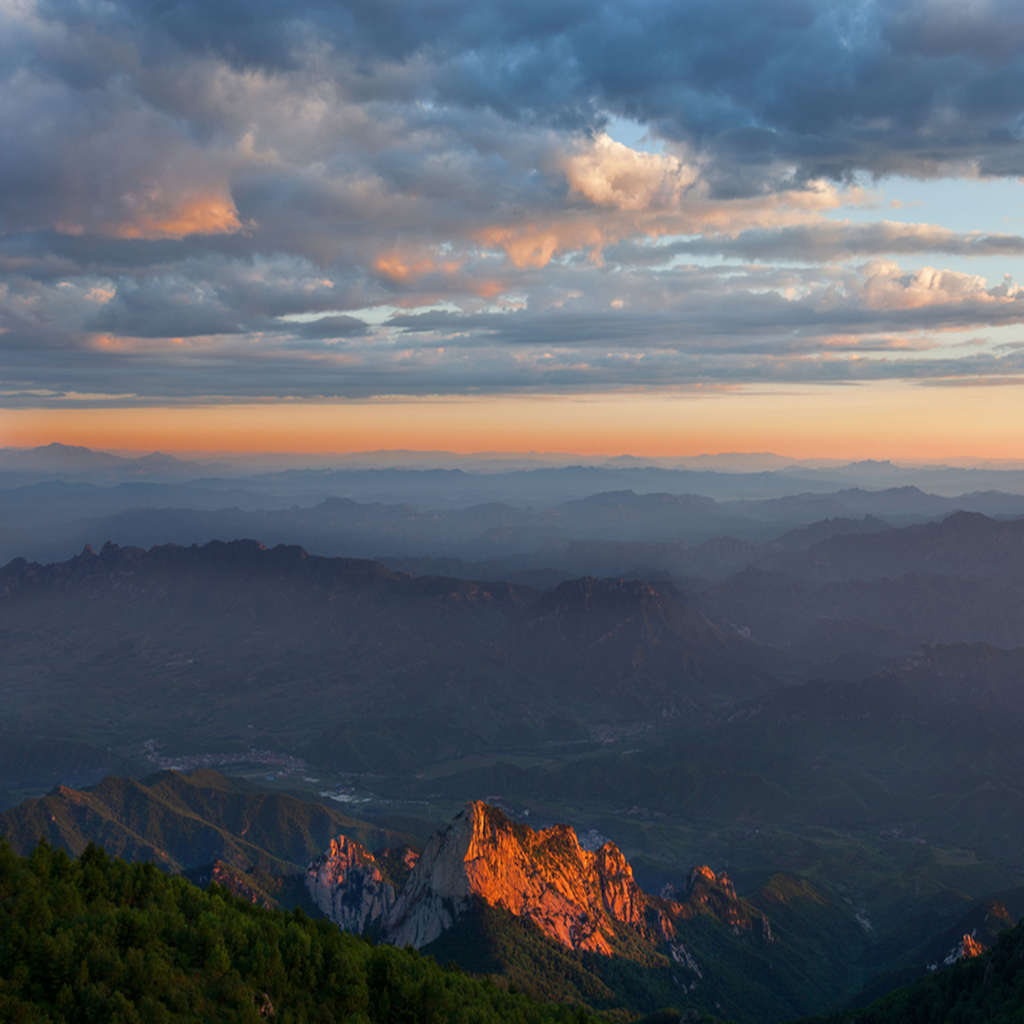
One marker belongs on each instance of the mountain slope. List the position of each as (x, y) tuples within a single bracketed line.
[(982, 988), (201, 824)]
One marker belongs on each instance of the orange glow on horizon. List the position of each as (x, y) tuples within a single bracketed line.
[(896, 421)]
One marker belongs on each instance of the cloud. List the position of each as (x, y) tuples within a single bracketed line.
[(207, 199), (887, 287), (328, 327), (156, 217), (825, 242), (608, 173)]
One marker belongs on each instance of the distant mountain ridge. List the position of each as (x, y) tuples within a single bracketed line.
[(77, 461), (480, 662)]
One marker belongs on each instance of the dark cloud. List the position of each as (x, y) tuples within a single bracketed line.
[(832, 87), (328, 327)]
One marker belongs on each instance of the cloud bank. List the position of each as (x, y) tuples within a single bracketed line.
[(236, 201)]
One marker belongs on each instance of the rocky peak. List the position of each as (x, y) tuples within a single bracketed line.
[(713, 894), (575, 896), (584, 899), (347, 884), (966, 949)]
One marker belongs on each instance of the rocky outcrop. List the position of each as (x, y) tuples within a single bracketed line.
[(974, 934), (583, 899), (708, 893), (575, 896), (966, 949), (347, 884)]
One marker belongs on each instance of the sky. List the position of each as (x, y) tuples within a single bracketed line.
[(634, 226)]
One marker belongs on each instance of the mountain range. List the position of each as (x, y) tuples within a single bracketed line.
[(521, 533), (558, 919), (782, 725), (233, 645)]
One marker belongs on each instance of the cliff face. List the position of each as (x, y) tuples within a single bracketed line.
[(583, 899), (347, 884), (574, 896)]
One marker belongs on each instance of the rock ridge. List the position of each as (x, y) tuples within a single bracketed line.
[(586, 900)]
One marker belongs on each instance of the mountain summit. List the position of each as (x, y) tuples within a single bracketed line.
[(577, 897), (583, 899)]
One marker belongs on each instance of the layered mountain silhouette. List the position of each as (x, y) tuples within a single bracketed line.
[(830, 714), (343, 661)]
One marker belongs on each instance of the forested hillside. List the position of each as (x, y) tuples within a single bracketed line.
[(97, 939), (987, 989)]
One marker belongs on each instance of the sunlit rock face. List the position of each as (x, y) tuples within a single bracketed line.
[(574, 896), (966, 949), (347, 884), (584, 899)]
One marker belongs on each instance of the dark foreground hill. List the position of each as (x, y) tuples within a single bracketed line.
[(99, 939)]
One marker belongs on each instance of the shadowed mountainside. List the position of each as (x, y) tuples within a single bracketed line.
[(201, 824)]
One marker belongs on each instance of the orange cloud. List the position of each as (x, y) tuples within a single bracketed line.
[(122, 343), (535, 243), (197, 215), (489, 289), (398, 266)]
